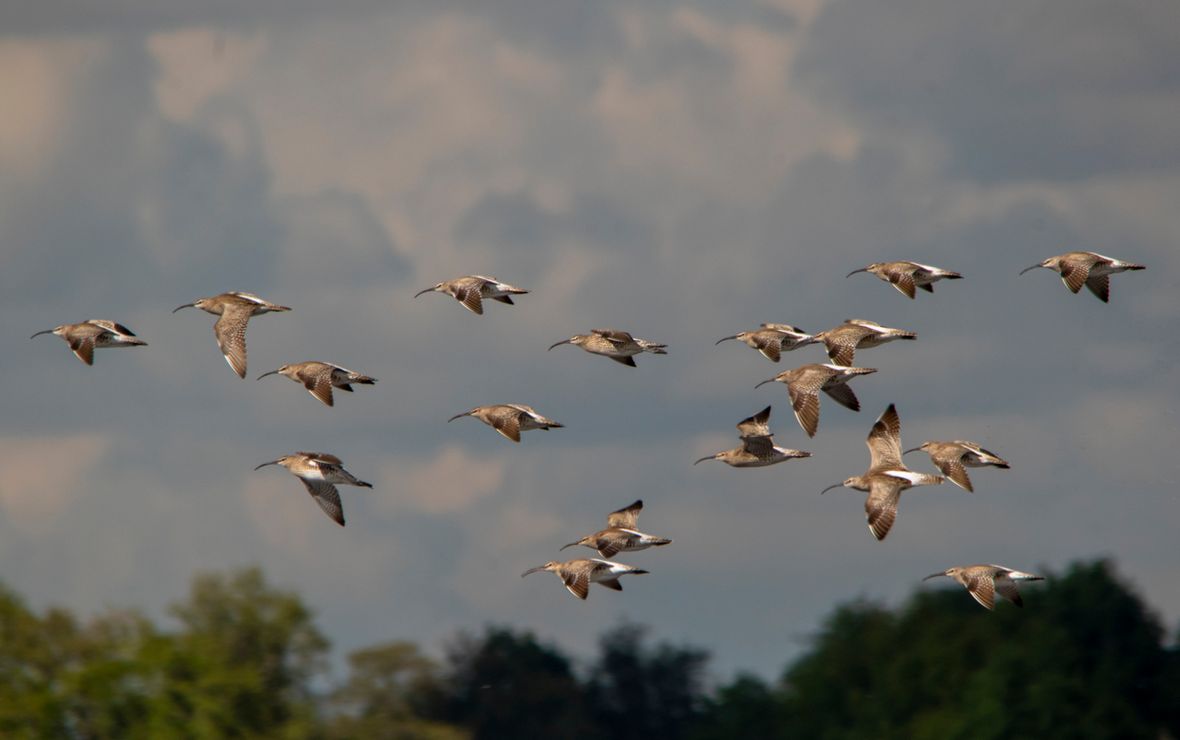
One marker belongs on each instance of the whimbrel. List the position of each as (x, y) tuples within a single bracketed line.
[(984, 581), (83, 338), (806, 381), (470, 290), (233, 310), (620, 534), (953, 458), (578, 574), (510, 419), (905, 275), (1086, 268), (319, 471), (757, 448), (772, 339), (843, 341), (319, 378), (887, 475), (618, 345)]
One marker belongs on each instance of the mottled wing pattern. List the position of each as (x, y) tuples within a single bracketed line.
[(953, 468), (1074, 275), (508, 424), (469, 296), (884, 441), (626, 517), (771, 347), (755, 426), (577, 581), (112, 326), (83, 347), (902, 279), (616, 337), (881, 505), (1099, 285), (805, 404), (843, 395), (319, 384), (230, 329), (983, 588), (322, 457), (326, 495), (760, 447), (610, 544)]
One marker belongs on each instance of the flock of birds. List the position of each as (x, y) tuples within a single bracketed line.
[(884, 480)]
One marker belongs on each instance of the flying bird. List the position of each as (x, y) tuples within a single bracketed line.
[(510, 419), (621, 534), (320, 377), (887, 475), (578, 574), (83, 338), (843, 341), (771, 340), (471, 290), (233, 310), (1086, 268), (906, 276), (983, 582), (953, 458), (618, 345), (806, 381), (320, 473), (757, 448)]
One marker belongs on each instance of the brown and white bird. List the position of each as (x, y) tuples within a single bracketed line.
[(320, 377), (621, 534), (320, 473), (83, 338), (771, 340), (842, 341), (806, 381), (616, 344), (1086, 268), (471, 290), (578, 574), (757, 448), (510, 419), (906, 276), (887, 475), (233, 310), (954, 457), (983, 582)]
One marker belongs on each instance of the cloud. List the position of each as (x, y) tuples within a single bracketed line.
[(452, 481), (46, 475)]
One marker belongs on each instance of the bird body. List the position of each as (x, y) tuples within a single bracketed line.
[(757, 448), (887, 475), (1086, 268), (320, 473), (578, 574), (772, 339), (806, 381), (984, 581), (843, 341), (471, 290), (620, 534), (616, 344), (320, 377), (233, 310), (954, 457), (510, 419), (88, 335), (906, 276)]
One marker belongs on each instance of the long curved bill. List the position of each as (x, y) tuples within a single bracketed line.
[(532, 570), (428, 290), (710, 457), (722, 339), (187, 305), (1033, 267), (572, 544), (768, 380), (912, 449), (47, 331), (863, 269), (834, 485), (263, 465), (272, 372), (935, 575), (558, 344), (458, 416)]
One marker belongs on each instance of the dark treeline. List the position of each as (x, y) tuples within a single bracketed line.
[(1084, 659)]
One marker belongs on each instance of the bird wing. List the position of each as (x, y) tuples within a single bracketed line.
[(230, 329), (902, 279), (843, 395), (629, 361), (83, 347), (954, 469), (1074, 275), (1099, 285), (771, 346), (322, 457), (319, 384), (577, 581), (111, 326), (983, 587), (881, 505), (326, 495), (1007, 589), (755, 426), (469, 296), (508, 424), (842, 342), (626, 517), (884, 441), (805, 403), (616, 337), (760, 447), (610, 543)]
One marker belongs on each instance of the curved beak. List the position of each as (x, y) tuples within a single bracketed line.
[(768, 380), (47, 331), (863, 269), (187, 305), (572, 544), (272, 372), (710, 457), (934, 575), (458, 416), (912, 449), (558, 344), (1031, 268), (722, 339), (263, 465), (428, 290), (834, 485), (532, 570)]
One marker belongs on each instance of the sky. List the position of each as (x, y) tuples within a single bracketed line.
[(681, 170)]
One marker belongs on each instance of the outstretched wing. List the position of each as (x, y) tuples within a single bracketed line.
[(626, 517), (326, 495), (881, 505), (230, 329), (884, 441)]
